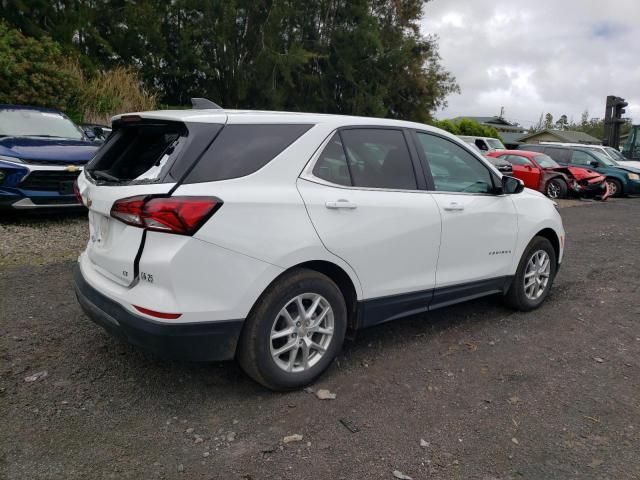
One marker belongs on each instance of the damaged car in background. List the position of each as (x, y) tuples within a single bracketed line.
[(540, 172)]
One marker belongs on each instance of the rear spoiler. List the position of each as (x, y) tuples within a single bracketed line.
[(204, 104)]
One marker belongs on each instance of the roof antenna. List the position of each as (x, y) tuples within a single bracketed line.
[(204, 104)]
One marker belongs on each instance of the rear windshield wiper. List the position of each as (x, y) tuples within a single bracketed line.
[(104, 175)]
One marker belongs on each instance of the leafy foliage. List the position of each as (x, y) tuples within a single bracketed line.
[(364, 57), (114, 91), (34, 71), (37, 72), (467, 126)]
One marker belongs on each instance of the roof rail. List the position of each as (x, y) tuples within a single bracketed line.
[(204, 104)]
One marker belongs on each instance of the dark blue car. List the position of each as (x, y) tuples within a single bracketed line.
[(41, 154)]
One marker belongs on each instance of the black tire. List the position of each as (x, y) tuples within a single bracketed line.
[(516, 296), (615, 187), (254, 353), (556, 188)]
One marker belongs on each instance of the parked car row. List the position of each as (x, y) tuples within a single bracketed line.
[(540, 172), (562, 170), (621, 179)]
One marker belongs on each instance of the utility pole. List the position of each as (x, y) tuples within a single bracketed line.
[(612, 120)]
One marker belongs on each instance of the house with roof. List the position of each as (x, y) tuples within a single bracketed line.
[(560, 136), (509, 132)]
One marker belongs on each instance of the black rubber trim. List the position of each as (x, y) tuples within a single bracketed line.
[(201, 341), (383, 309), (445, 296)]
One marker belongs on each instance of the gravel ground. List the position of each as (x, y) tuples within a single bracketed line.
[(492, 394), (43, 238)]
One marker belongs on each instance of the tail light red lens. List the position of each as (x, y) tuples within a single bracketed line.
[(153, 313), (181, 215)]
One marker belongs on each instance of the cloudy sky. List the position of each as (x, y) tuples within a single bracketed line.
[(534, 56)]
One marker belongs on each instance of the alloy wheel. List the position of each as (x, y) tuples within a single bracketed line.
[(553, 190), (301, 332), (536, 276), (613, 188)]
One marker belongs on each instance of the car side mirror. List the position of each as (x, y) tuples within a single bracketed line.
[(89, 133), (511, 185), (594, 164)]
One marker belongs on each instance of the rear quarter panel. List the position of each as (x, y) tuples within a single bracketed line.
[(263, 215)]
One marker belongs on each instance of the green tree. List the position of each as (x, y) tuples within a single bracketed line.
[(364, 57), (35, 71)]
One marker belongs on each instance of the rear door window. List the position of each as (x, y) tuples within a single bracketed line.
[(378, 158), (331, 165), (240, 150)]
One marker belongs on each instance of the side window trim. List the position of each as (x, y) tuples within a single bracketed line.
[(424, 166), (307, 172), (427, 169)]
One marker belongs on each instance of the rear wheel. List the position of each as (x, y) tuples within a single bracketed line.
[(615, 187), (534, 277), (556, 188), (294, 331)]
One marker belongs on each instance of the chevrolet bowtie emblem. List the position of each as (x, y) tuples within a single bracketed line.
[(71, 168)]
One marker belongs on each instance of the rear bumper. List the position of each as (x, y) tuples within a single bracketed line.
[(201, 341)]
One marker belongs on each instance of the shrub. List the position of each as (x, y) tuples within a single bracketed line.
[(112, 92), (33, 71), (466, 126), (38, 72)]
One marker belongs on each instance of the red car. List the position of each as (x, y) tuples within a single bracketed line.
[(540, 172)]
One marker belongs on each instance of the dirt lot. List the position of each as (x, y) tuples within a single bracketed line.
[(493, 394)]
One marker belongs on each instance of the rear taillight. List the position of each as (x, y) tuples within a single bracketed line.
[(181, 215)]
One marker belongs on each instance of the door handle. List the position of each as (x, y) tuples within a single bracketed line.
[(454, 207), (342, 203)]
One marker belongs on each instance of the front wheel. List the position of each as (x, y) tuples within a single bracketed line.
[(534, 277), (615, 187), (294, 331), (556, 188)]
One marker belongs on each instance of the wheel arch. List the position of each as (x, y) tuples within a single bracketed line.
[(552, 236), (336, 273), (341, 278)]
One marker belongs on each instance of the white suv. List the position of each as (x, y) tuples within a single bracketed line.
[(264, 236)]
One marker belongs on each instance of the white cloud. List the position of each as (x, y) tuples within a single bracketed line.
[(540, 56)]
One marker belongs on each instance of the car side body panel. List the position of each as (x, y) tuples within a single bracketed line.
[(264, 228)]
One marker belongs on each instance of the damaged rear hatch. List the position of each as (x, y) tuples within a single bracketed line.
[(146, 155)]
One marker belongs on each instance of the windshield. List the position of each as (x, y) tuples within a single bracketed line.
[(604, 158), (545, 161), (615, 154), (495, 143), (32, 123)]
